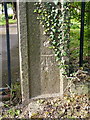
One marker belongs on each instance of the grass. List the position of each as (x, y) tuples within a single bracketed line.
[(75, 43), (3, 21), (10, 22)]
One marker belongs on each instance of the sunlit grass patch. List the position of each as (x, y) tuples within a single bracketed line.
[(3, 21)]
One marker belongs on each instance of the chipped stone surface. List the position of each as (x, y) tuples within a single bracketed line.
[(23, 52), (44, 73), (39, 72)]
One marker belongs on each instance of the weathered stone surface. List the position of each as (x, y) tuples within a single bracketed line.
[(44, 73), (23, 50), (81, 82), (39, 72), (81, 88), (0, 60)]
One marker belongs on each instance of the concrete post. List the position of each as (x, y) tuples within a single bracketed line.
[(38, 69), (23, 50), (65, 44), (1, 59)]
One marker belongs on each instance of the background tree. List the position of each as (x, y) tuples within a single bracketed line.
[(14, 7)]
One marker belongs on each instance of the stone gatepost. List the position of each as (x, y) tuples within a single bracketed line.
[(23, 50), (38, 68), (0, 59), (64, 71)]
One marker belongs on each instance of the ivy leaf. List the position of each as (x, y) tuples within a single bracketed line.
[(52, 36), (39, 11), (51, 47), (57, 58), (55, 2), (54, 30), (54, 42), (48, 24), (35, 10), (64, 54)]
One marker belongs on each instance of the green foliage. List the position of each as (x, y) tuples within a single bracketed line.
[(75, 35), (15, 93), (75, 8), (12, 112), (56, 23), (3, 22)]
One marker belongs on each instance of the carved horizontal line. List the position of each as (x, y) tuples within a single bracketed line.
[(47, 55)]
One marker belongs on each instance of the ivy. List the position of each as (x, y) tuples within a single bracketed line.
[(54, 18)]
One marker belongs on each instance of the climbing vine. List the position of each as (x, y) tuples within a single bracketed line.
[(54, 17)]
